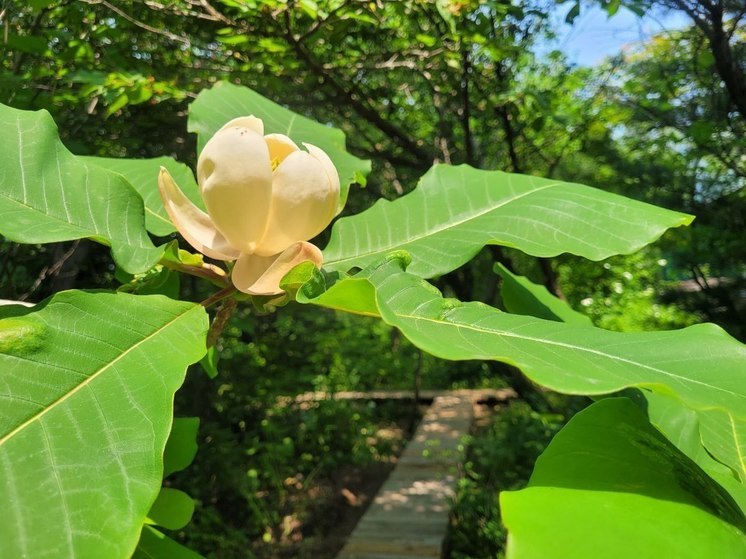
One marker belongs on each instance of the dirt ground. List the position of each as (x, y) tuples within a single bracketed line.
[(328, 511)]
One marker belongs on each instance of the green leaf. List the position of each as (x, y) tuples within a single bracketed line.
[(353, 295), (696, 363), (209, 362), (172, 509), (40, 4), (724, 435), (455, 211), (681, 425), (225, 101), (87, 383), (156, 545), (609, 485), (521, 296), (181, 446), (47, 194), (142, 174)]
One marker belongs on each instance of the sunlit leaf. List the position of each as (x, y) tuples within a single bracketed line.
[(697, 363), (142, 174), (47, 194), (609, 485), (87, 383), (455, 211)]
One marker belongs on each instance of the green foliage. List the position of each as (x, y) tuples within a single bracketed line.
[(271, 455), (408, 83), (500, 458), (88, 390), (50, 195), (610, 483), (455, 211), (626, 293)]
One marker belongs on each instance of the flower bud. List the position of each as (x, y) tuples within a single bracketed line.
[(265, 198)]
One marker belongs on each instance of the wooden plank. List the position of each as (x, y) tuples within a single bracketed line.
[(409, 515), (476, 395)]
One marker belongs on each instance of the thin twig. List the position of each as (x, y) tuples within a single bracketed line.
[(138, 23)]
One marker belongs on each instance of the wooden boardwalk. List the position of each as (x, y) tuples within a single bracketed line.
[(409, 516)]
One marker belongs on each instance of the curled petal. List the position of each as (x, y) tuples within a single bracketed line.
[(235, 175), (261, 275), (303, 203), (331, 172), (280, 146), (249, 122), (194, 225)]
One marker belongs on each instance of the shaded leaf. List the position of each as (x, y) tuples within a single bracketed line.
[(522, 296), (156, 545), (181, 447), (172, 509), (681, 425)]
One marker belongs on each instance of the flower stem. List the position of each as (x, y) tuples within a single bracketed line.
[(219, 296), (214, 274), (221, 319)]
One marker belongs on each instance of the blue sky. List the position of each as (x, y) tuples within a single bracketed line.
[(594, 36)]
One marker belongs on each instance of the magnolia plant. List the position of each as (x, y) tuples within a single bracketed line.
[(87, 379), (265, 199)]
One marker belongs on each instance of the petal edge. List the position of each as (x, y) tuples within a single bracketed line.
[(194, 225)]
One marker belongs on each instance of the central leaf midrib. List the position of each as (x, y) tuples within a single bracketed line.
[(53, 405), (443, 226), (574, 347)]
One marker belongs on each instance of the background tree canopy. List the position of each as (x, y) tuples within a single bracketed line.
[(414, 82)]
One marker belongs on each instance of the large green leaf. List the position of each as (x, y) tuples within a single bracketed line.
[(47, 194), (225, 101), (142, 174), (609, 485), (700, 364), (87, 383), (455, 211)]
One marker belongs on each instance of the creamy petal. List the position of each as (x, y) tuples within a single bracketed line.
[(251, 122), (280, 146), (303, 203), (331, 171), (235, 175), (194, 225), (261, 275)]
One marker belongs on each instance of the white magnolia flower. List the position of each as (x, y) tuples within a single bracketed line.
[(265, 198)]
